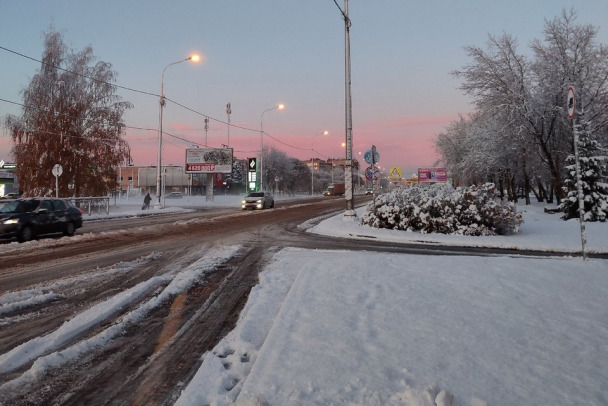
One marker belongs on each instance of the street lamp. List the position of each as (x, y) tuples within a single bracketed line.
[(312, 165), (277, 107), (159, 172)]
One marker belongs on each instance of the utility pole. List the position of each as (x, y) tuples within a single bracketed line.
[(348, 167)]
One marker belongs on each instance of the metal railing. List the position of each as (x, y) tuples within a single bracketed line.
[(90, 205)]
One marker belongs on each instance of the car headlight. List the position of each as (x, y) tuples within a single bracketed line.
[(11, 221), (243, 202), (259, 201)]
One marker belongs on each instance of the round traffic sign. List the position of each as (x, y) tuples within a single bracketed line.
[(371, 173), (571, 103), (368, 157), (57, 170)]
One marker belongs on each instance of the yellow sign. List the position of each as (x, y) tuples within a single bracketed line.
[(395, 173)]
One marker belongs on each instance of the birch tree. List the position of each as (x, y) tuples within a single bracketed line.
[(72, 117)]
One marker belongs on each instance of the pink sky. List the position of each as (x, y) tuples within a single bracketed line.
[(408, 142)]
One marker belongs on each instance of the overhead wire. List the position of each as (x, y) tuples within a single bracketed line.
[(149, 94)]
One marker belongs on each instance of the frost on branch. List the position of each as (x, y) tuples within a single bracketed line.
[(442, 209)]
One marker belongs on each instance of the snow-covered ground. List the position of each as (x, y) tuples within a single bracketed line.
[(365, 328)]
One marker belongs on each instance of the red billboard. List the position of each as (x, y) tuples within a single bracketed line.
[(432, 175)]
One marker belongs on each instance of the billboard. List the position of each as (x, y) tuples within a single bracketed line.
[(432, 175), (209, 160)]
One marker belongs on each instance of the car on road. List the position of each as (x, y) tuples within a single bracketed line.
[(369, 191), (174, 195), (258, 200), (25, 219)]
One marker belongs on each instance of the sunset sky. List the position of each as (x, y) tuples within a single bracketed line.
[(256, 54)]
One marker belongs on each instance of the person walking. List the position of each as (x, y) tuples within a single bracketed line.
[(147, 201)]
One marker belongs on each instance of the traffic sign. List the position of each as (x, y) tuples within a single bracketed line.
[(571, 103), (395, 173), (57, 170), (371, 173), (368, 157)]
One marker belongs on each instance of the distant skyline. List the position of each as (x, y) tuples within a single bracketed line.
[(258, 54)]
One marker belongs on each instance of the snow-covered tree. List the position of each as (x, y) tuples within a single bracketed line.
[(593, 161), (238, 176), (524, 98), (72, 117), (293, 175)]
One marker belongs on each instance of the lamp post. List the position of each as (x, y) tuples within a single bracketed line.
[(312, 165), (159, 172), (277, 107)]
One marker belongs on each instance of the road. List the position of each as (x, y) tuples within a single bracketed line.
[(155, 354), (150, 360)]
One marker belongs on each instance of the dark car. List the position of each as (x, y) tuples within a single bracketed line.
[(258, 200), (27, 218)]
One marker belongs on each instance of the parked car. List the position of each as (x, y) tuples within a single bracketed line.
[(174, 195), (12, 195), (258, 200), (27, 218)]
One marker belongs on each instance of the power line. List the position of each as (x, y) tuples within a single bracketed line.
[(76, 73), (148, 94), (121, 87)]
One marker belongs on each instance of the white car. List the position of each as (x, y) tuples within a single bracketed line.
[(257, 200)]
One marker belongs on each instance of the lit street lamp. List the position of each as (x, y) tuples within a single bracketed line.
[(277, 107), (312, 165), (158, 204)]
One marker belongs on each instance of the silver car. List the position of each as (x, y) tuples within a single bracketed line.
[(258, 200)]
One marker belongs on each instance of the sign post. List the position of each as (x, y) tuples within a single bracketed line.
[(579, 181), (57, 171)]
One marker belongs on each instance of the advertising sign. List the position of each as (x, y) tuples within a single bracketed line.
[(252, 165), (209, 160), (432, 175)]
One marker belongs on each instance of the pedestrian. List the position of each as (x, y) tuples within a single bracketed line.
[(147, 201)]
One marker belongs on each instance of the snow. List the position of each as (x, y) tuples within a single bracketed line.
[(369, 328)]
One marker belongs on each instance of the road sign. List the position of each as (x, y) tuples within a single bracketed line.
[(368, 157), (395, 173), (571, 103), (371, 173), (57, 170)]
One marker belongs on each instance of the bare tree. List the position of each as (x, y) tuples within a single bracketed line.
[(71, 117)]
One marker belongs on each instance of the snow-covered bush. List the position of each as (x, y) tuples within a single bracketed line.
[(439, 208)]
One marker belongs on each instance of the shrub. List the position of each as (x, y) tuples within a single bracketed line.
[(439, 208)]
